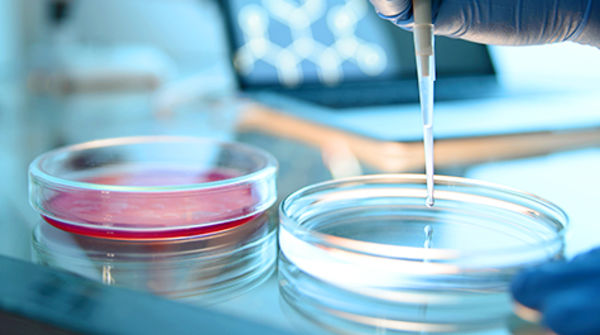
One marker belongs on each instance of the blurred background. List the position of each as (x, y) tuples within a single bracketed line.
[(77, 70)]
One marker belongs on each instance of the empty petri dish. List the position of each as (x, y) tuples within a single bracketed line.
[(152, 187), (365, 254), (202, 269)]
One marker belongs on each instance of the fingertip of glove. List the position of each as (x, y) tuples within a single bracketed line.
[(399, 12), (389, 9), (402, 20), (530, 286)]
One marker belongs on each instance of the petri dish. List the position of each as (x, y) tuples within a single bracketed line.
[(152, 187), (365, 254), (203, 269)]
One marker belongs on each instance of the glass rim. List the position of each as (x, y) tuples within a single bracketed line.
[(38, 175), (410, 253), (52, 246)]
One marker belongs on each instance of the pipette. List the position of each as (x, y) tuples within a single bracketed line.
[(423, 39)]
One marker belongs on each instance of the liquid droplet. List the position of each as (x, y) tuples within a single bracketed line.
[(428, 230), (428, 236)]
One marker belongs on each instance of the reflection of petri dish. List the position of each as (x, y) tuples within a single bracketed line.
[(152, 187), (366, 253), (202, 269)]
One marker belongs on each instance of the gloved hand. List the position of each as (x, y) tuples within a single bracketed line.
[(507, 22), (566, 293)]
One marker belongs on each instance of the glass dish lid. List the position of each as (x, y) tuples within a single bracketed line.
[(152, 187)]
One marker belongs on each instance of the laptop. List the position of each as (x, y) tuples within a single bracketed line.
[(336, 63), (340, 54)]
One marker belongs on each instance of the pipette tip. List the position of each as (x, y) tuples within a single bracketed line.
[(429, 202)]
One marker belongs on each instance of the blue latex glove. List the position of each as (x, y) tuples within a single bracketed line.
[(507, 22), (566, 293)]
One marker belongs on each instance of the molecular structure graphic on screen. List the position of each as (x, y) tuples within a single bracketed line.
[(299, 17)]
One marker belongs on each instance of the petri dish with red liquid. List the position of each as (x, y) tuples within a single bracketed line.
[(155, 187)]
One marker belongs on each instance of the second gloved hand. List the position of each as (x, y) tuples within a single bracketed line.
[(505, 22), (566, 293)]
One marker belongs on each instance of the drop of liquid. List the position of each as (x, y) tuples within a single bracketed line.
[(428, 236), (428, 230)]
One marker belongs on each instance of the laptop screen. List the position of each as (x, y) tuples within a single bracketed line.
[(294, 44)]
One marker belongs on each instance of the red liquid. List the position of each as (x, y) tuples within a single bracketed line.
[(138, 215)]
